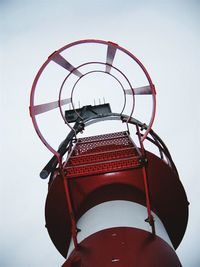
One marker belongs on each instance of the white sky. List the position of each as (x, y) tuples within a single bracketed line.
[(164, 35)]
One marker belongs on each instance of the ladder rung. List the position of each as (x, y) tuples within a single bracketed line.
[(102, 156), (103, 167)]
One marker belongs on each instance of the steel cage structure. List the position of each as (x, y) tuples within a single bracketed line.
[(97, 165), (56, 57)]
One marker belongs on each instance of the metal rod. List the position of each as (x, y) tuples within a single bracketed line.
[(51, 165), (146, 184), (38, 109), (111, 50), (71, 212), (66, 65)]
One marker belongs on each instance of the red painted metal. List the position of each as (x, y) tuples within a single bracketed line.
[(111, 51), (71, 212), (66, 65), (101, 145), (38, 109), (123, 246), (101, 137), (102, 167), (103, 154), (167, 196), (98, 63), (60, 60), (150, 218), (111, 167), (91, 72), (143, 90)]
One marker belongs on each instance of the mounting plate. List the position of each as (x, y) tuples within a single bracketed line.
[(89, 112)]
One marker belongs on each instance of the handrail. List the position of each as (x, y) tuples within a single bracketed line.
[(157, 141), (58, 59)]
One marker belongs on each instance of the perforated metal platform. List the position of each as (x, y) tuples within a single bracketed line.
[(102, 154)]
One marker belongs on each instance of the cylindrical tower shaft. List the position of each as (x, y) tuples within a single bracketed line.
[(111, 202)]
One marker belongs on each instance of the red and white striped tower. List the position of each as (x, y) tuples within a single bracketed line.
[(111, 202)]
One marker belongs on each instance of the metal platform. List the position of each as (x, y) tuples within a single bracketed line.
[(102, 154)]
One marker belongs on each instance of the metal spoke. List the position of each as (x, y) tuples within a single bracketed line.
[(49, 106), (143, 90), (111, 50), (66, 65)]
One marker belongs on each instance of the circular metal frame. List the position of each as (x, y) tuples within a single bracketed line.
[(100, 63), (52, 56)]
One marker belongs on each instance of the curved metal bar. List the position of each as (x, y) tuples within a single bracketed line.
[(62, 62), (51, 165), (100, 63), (33, 116), (96, 71), (42, 108), (167, 153), (136, 60), (157, 140), (111, 51)]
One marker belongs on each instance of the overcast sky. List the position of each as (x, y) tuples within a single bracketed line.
[(164, 35)]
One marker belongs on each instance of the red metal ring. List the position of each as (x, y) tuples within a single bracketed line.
[(77, 43)]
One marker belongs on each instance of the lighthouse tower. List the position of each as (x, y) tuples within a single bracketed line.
[(114, 194)]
